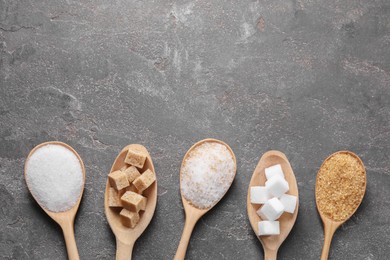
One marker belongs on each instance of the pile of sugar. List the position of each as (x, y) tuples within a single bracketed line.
[(340, 186), (55, 177), (207, 174)]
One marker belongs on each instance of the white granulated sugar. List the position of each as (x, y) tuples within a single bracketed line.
[(207, 174), (55, 177)]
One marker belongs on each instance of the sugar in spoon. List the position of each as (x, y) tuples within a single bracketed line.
[(64, 218), (331, 225), (126, 237), (271, 244), (193, 213)]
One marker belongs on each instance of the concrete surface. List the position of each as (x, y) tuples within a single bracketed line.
[(306, 77)]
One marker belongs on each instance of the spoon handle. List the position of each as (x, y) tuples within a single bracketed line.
[(270, 254), (67, 229), (185, 238), (123, 250), (329, 229)]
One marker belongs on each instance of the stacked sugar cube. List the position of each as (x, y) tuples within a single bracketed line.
[(274, 199), (127, 186)]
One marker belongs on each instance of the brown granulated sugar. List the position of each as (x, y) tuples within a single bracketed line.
[(340, 186)]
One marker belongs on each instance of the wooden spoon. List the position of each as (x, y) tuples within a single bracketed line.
[(192, 213), (330, 226), (271, 244), (126, 237), (66, 218)]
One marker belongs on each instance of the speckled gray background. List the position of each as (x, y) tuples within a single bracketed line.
[(307, 77)]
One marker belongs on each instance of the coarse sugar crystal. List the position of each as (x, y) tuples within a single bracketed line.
[(340, 186), (207, 174)]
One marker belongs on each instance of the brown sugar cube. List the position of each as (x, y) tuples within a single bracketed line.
[(129, 218), (124, 167), (114, 200), (144, 181), (118, 180), (135, 158), (132, 173), (133, 201)]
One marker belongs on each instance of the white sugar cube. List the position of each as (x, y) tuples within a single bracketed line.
[(289, 202), (271, 210), (259, 194), (277, 186), (274, 171), (267, 228)]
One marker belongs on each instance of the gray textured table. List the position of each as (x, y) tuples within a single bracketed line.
[(305, 77)]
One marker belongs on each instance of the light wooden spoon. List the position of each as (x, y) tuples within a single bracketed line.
[(192, 213), (66, 218), (271, 244), (126, 237), (330, 226)]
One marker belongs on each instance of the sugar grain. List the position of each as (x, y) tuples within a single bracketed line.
[(55, 177), (340, 186)]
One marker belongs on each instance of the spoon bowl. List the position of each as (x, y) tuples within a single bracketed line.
[(126, 237), (330, 226), (192, 213), (65, 218), (271, 244)]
